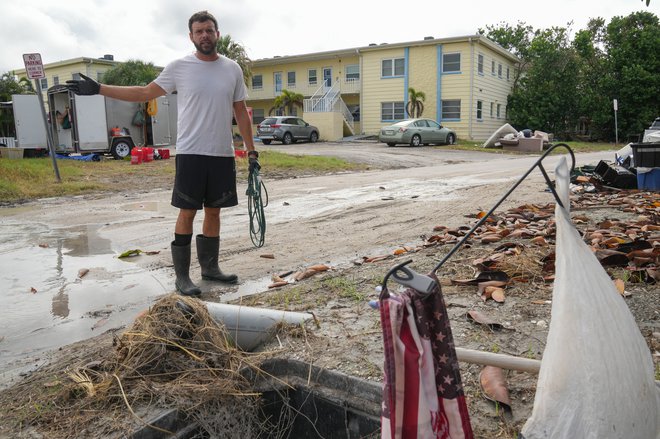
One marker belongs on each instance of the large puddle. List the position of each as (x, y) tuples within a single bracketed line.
[(47, 303)]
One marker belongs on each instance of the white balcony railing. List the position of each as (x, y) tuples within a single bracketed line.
[(350, 86)]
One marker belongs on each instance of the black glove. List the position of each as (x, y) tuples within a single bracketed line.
[(253, 161), (86, 86)]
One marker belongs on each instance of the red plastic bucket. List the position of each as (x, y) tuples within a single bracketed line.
[(149, 154), (164, 153)]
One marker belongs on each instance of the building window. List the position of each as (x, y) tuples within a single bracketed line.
[(75, 76), (56, 80), (499, 106), (311, 76), (353, 72), (451, 109), (99, 76), (480, 64), (44, 83), (451, 63), (491, 109), (492, 68), (499, 70), (390, 111), (290, 79), (480, 115), (507, 73), (258, 115), (257, 82), (392, 67)]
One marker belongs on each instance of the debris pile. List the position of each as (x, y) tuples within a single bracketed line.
[(174, 356)]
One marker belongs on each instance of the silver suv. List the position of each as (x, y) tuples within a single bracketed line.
[(286, 129)]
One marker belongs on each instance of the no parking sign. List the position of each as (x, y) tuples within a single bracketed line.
[(33, 65)]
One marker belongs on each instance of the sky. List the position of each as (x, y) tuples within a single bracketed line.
[(157, 31)]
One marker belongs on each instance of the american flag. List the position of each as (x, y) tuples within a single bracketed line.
[(422, 391)]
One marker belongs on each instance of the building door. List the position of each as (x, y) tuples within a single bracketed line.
[(278, 83), (327, 77)]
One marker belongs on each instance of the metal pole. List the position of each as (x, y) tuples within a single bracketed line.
[(616, 130), (616, 125), (49, 134)]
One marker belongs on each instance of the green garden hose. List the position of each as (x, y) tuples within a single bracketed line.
[(256, 203)]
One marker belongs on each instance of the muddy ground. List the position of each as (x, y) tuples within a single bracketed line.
[(341, 221)]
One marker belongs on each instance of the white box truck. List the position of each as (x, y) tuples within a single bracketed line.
[(88, 124)]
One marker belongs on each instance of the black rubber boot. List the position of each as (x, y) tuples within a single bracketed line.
[(181, 259), (207, 253)]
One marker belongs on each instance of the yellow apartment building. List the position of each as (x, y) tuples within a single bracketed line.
[(354, 91), (358, 90)]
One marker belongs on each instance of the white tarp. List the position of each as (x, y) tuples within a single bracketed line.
[(597, 376)]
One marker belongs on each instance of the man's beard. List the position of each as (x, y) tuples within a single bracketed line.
[(201, 50)]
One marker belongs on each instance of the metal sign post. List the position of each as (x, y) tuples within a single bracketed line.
[(616, 127), (35, 70)]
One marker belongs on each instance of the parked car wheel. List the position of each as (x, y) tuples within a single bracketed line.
[(451, 139), (391, 144), (314, 137), (121, 148), (416, 140), (287, 138), (266, 141)]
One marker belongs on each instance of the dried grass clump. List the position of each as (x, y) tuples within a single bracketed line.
[(525, 266), (174, 356)]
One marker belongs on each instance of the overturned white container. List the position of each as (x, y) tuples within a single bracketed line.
[(249, 327)]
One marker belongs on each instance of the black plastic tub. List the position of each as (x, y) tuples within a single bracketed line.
[(322, 404)]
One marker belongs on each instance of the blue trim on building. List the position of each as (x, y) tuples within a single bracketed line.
[(438, 87), (406, 57)]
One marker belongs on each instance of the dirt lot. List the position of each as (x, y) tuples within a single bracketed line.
[(354, 224)]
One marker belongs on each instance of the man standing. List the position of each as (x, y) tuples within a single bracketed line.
[(210, 88)]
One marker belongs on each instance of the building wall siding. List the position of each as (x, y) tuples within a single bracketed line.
[(423, 77), (301, 69), (376, 89)]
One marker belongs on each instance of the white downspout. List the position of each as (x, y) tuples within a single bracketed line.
[(357, 51), (470, 136)]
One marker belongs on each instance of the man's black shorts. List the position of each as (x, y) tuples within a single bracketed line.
[(204, 181)]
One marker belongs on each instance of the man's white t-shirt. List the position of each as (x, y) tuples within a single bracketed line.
[(206, 91)]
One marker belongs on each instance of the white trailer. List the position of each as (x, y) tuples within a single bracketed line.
[(90, 124)]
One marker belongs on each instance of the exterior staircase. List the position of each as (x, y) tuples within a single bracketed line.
[(328, 99)]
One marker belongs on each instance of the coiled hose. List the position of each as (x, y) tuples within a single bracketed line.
[(256, 203)]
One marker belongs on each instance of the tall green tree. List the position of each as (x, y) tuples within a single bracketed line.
[(544, 96), (287, 101), (131, 72), (588, 46), (415, 105), (233, 50), (632, 63)]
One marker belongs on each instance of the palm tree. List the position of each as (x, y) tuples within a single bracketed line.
[(232, 50), (287, 101), (415, 106)]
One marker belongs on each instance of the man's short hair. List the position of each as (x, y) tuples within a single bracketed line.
[(200, 17)]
